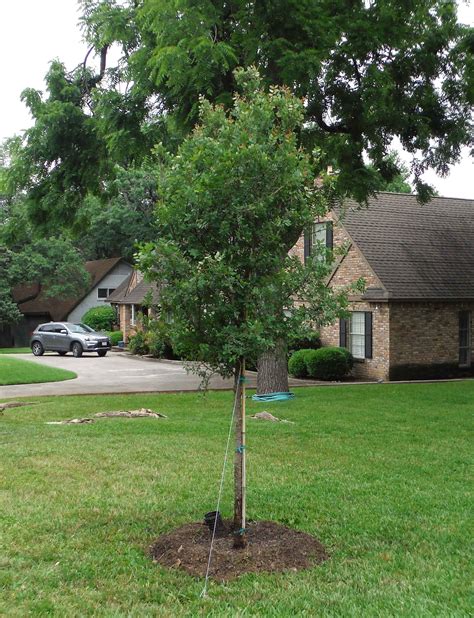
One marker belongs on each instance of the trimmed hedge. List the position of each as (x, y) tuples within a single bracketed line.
[(115, 336), (297, 364), (100, 318), (309, 340), (329, 363)]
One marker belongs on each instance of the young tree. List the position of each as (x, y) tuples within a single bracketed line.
[(234, 200)]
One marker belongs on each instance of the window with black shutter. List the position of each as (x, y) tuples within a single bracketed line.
[(320, 233), (464, 338), (368, 334), (343, 330), (355, 334)]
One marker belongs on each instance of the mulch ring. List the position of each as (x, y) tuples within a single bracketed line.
[(270, 547)]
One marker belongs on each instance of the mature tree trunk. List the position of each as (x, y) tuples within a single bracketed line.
[(272, 370), (239, 458)]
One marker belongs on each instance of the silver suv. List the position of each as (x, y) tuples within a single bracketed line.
[(64, 337)]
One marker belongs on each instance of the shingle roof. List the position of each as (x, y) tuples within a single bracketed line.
[(60, 308), (124, 296), (419, 252)]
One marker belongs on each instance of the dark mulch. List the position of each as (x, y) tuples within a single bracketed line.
[(270, 547)]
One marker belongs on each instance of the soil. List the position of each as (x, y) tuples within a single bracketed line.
[(270, 547)]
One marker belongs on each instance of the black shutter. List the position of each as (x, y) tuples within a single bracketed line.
[(307, 244), (343, 328), (368, 334), (329, 241)]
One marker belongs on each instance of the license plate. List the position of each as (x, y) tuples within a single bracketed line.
[(104, 342)]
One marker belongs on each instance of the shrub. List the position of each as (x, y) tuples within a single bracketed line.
[(137, 343), (115, 336), (307, 340), (100, 318), (297, 364), (328, 363), (155, 343)]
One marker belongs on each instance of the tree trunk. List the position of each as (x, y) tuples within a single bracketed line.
[(239, 458), (272, 370)]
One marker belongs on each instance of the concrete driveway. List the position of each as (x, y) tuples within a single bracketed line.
[(117, 372)]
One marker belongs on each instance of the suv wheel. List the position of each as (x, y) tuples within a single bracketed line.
[(77, 349), (37, 348)]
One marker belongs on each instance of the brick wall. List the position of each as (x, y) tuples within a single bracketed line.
[(378, 366), (351, 267), (426, 333), (125, 315)]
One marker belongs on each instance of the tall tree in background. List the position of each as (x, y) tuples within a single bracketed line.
[(368, 72), (224, 237), (26, 257)]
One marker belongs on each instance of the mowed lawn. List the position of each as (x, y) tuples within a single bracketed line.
[(14, 350), (380, 474), (16, 371)]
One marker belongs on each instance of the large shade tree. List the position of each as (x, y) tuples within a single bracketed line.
[(234, 200), (50, 261), (368, 72)]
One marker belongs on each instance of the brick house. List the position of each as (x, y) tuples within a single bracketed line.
[(129, 300), (415, 318)]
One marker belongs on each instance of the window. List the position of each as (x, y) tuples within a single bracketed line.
[(464, 338), (319, 233), (355, 334), (103, 293), (49, 328)]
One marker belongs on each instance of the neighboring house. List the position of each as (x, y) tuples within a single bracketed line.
[(37, 307), (415, 318), (129, 299)]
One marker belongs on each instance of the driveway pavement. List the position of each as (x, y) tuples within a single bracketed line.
[(117, 372)]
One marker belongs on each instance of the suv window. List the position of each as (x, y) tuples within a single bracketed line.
[(80, 328), (48, 328)]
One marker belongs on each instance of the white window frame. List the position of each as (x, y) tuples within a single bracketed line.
[(132, 315), (357, 351)]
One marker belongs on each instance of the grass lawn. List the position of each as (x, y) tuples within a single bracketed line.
[(16, 371), (15, 350), (380, 474)]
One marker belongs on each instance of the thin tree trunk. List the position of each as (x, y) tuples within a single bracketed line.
[(239, 458), (272, 367)]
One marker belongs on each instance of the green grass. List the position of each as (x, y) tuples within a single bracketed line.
[(16, 371), (15, 351), (380, 474)]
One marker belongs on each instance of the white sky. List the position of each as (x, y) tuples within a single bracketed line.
[(34, 32)]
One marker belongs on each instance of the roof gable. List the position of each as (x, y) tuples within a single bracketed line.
[(59, 308), (419, 252)]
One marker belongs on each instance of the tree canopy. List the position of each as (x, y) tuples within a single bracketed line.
[(367, 72)]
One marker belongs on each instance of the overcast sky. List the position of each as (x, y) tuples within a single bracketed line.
[(34, 32)]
